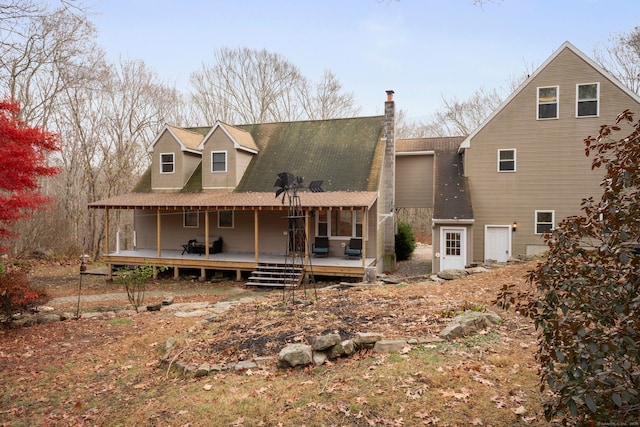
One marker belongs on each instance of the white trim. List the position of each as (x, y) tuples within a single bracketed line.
[(557, 102), (566, 45), (515, 163), (222, 126), (415, 153), (226, 160), (173, 163), (183, 147), (535, 220), (452, 221), (597, 99)]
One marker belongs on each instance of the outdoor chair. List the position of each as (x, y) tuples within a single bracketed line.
[(321, 247), (354, 248)]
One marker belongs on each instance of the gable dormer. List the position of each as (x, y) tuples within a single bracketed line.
[(174, 158), (226, 154)]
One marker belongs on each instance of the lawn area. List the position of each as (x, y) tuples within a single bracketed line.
[(107, 372)]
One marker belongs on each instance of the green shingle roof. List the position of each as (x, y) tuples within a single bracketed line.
[(346, 154)]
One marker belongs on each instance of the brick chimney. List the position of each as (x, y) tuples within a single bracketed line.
[(389, 185)]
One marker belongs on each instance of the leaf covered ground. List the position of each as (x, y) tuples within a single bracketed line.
[(107, 372)]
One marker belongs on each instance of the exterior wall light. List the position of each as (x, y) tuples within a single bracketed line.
[(514, 226)]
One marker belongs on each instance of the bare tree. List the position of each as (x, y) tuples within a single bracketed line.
[(622, 58), (326, 100), (255, 86)]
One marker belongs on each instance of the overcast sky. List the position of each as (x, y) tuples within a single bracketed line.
[(422, 49)]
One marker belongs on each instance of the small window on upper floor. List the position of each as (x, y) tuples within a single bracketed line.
[(507, 160), (167, 163), (588, 96), (218, 161), (548, 102), (544, 221)]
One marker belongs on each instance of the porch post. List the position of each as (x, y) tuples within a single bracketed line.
[(106, 231), (365, 229), (106, 241), (255, 234), (158, 228), (206, 234), (306, 234)]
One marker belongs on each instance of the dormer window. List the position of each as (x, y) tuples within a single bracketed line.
[(218, 161), (587, 99), (167, 162), (548, 102)]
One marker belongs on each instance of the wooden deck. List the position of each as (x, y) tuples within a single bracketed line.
[(234, 261)]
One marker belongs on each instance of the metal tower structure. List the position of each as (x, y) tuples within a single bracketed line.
[(297, 261)]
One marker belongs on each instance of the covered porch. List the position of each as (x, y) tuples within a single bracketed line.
[(258, 232), (237, 262)]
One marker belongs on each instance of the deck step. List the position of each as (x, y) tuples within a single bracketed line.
[(276, 276)]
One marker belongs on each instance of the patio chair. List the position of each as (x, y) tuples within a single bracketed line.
[(354, 248), (321, 247)]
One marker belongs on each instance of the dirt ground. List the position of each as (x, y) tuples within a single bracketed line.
[(62, 372)]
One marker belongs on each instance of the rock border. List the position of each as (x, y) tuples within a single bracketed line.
[(331, 346)]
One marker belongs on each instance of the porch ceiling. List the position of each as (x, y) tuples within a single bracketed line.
[(237, 201)]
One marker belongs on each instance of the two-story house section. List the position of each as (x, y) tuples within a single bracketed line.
[(526, 165), (208, 200)]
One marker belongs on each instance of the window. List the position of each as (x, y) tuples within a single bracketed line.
[(190, 219), (507, 160), (167, 162), (544, 221), (587, 99), (339, 223), (225, 219), (322, 227), (548, 102), (453, 243), (218, 161)]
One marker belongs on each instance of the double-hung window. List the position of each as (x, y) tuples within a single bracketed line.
[(218, 161), (339, 223), (167, 163), (544, 221), (190, 219), (548, 102), (507, 160), (587, 98), (225, 219)]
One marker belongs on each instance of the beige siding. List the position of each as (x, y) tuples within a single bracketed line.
[(185, 164), (414, 181), (553, 172), (237, 162)]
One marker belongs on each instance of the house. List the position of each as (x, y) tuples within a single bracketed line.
[(208, 200), (524, 168)]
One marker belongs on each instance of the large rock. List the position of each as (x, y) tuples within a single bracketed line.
[(344, 348), (389, 346), (325, 341), (469, 323), (295, 355), (366, 339), (452, 274)]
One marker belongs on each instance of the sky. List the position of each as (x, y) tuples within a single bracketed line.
[(421, 49)]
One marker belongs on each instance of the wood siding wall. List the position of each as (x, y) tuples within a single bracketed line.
[(185, 164), (414, 181), (552, 171)]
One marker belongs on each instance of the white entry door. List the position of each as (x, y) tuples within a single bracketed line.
[(453, 248), (497, 243)]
